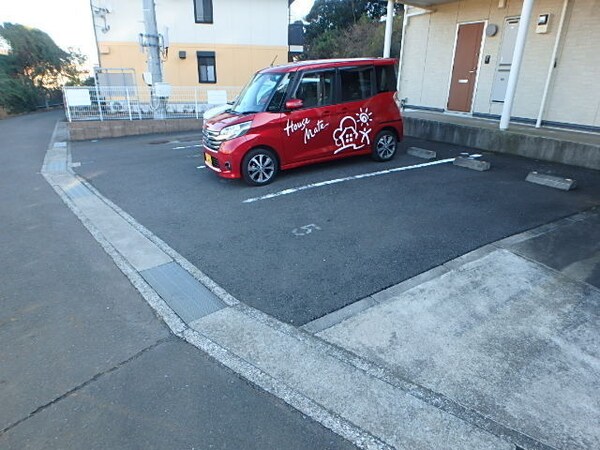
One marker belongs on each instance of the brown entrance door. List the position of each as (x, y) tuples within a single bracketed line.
[(464, 71)]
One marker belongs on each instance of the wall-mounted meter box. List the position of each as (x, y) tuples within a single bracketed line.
[(162, 90), (543, 21)]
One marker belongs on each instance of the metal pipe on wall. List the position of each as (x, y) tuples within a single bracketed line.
[(405, 16), (513, 78), (552, 66), (389, 23)]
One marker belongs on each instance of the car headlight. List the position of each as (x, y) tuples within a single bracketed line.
[(234, 131)]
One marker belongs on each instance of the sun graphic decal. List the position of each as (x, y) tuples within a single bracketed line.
[(364, 117)]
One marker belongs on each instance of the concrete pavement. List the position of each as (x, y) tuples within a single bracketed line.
[(84, 361), (493, 349), (504, 335)]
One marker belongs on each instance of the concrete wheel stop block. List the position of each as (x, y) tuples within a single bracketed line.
[(472, 163), (564, 184), (421, 153)]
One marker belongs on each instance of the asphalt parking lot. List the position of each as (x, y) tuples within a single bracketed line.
[(300, 254)]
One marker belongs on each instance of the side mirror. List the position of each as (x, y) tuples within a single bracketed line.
[(294, 103)]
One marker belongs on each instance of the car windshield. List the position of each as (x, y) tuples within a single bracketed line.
[(256, 95)]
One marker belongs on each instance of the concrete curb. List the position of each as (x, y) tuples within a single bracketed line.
[(421, 153), (473, 164), (563, 184)]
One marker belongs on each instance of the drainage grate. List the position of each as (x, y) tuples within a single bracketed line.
[(182, 292)]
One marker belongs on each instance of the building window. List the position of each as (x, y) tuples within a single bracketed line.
[(207, 67), (204, 11)]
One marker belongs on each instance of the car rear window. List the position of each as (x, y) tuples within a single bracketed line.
[(386, 78), (356, 83)]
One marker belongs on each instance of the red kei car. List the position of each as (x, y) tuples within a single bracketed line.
[(303, 113)]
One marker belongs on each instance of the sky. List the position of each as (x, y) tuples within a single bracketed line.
[(69, 22), (300, 8)]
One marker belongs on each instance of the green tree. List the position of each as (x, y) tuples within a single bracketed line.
[(330, 20), (363, 39), (33, 68)]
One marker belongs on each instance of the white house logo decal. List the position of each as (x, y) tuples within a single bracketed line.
[(353, 133)]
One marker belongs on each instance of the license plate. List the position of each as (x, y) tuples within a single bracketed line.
[(208, 159)]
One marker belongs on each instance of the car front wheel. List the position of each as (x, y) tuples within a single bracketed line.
[(385, 146), (259, 167)]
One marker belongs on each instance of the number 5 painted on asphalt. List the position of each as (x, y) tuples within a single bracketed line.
[(304, 230)]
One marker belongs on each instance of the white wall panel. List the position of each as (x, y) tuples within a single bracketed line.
[(240, 22)]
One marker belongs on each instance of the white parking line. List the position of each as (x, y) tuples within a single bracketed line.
[(186, 146), (340, 180)]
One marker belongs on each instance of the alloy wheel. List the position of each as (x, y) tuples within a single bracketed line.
[(261, 168)]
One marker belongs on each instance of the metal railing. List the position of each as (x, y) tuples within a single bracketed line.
[(138, 103)]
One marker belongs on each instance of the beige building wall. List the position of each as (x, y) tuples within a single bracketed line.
[(235, 63), (576, 84), (573, 98)]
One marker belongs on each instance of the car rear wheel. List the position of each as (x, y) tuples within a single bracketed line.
[(259, 167), (385, 146)]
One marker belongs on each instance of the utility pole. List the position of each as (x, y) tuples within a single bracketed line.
[(151, 41)]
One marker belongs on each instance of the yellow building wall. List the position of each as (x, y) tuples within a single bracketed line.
[(235, 64)]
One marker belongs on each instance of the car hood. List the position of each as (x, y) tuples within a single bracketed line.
[(227, 119)]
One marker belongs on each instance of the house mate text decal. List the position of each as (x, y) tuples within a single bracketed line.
[(304, 125)]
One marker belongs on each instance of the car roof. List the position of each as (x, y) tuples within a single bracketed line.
[(325, 63)]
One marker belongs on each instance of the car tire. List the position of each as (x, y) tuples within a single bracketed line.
[(259, 167), (385, 146)]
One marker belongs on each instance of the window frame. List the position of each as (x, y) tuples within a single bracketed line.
[(204, 3), (206, 54)]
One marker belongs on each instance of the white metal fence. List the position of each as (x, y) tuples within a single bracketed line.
[(138, 103)]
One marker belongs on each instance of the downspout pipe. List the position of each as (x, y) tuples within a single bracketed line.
[(95, 35), (513, 78), (405, 16), (552, 66), (389, 22)]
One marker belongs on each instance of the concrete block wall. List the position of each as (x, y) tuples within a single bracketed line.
[(516, 143), (79, 131)]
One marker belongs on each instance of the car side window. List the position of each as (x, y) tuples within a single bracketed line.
[(316, 89), (276, 102), (356, 83)]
